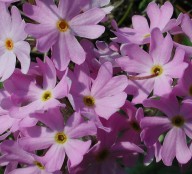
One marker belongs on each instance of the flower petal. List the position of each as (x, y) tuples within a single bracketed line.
[(61, 56), (76, 52), (75, 149), (55, 157), (140, 24), (169, 147), (183, 154), (10, 66), (22, 51), (37, 138), (90, 17), (88, 31), (49, 73), (103, 76)]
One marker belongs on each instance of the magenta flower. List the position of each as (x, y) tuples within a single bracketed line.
[(103, 52), (184, 86), (61, 140), (160, 17), (157, 67), (38, 97), (10, 124), (9, 1), (133, 129), (34, 164), (12, 44), (91, 59), (153, 152), (58, 26), (176, 123), (107, 53), (104, 96), (103, 4), (186, 26), (102, 157)]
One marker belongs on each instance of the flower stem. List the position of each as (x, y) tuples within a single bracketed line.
[(126, 13)]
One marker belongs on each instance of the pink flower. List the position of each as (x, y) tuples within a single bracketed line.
[(58, 26), (102, 157), (103, 4), (132, 129), (12, 44), (186, 26), (9, 1), (38, 97), (184, 86), (107, 53), (104, 96), (11, 124), (160, 17), (103, 52), (153, 152), (34, 164), (61, 140), (176, 123), (157, 66)]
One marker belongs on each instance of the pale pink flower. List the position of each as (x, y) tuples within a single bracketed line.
[(12, 44)]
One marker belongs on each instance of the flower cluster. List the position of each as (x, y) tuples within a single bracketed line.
[(83, 107)]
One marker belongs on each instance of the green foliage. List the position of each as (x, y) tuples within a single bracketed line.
[(143, 4), (186, 41), (1, 85), (1, 171)]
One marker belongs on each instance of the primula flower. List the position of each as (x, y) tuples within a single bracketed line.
[(107, 53), (104, 96), (34, 164), (176, 123), (12, 34), (102, 157), (103, 4), (103, 52), (91, 59), (10, 124), (160, 17), (60, 139), (184, 86), (38, 97), (9, 1), (156, 69), (186, 26), (133, 129), (153, 152), (58, 26)]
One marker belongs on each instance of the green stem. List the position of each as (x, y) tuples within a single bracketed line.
[(126, 13)]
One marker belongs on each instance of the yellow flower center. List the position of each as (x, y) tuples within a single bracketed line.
[(39, 165), (46, 96), (60, 138), (62, 25), (89, 101), (157, 69), (178, 121), (9, 44), (147, 35)]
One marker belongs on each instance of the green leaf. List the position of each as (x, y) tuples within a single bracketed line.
[(186, 41), (1, 171), (1, 85), (143, 4)]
